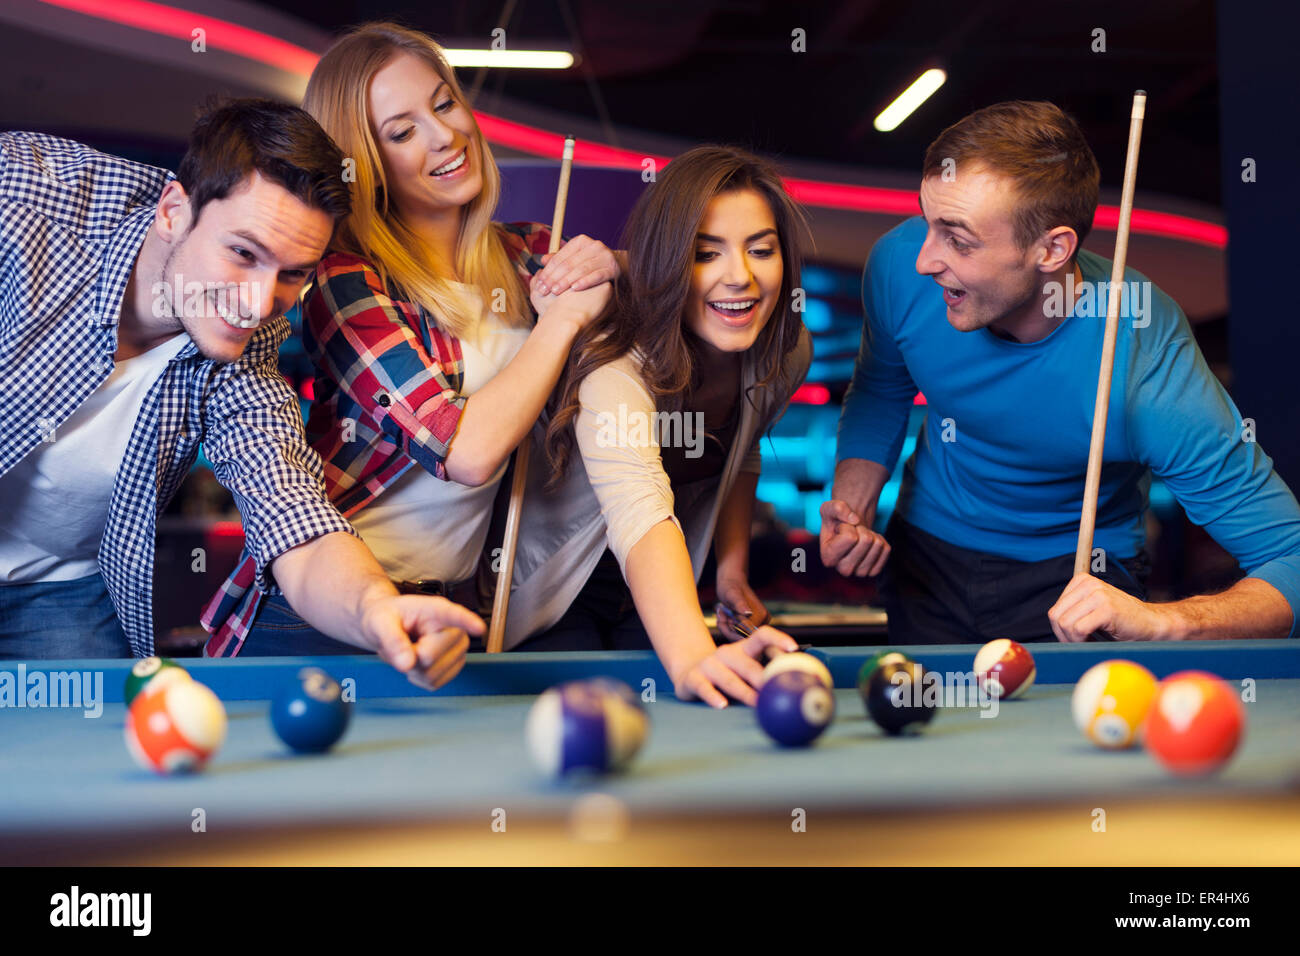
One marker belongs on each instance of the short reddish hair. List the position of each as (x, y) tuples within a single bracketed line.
[(1041, 149)]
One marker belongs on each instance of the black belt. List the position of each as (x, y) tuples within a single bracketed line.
[(459, 592)]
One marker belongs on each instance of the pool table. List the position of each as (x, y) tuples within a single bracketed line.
[(445, 778)]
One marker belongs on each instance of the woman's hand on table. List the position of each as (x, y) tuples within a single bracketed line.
[(733, 670), (424, 637)]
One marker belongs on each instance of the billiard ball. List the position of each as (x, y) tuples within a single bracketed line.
[(901, 696), (592, 726), (143, 672), (798, 661), (898, 698), (794, 707), (883, 656), (1004, 669), (1195, 723), (1111, 701), (175, 726), (309, 713)]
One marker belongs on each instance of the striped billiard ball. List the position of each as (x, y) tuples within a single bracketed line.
[(145, 670), (1004, 669), (585, 726), (883, 656), (1111, 701)]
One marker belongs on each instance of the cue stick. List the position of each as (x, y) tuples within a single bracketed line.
[(1088, 520), (501, 602)]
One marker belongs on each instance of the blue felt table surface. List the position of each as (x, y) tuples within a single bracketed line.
[(413, 755), (256, 678)]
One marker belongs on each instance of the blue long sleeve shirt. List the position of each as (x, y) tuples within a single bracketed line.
[(1000, 462)]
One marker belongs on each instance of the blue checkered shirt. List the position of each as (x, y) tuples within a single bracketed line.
[(72, 221)]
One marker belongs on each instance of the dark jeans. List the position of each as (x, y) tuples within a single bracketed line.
[(937, 593), (601, 618), (60, 619), (278, 631)]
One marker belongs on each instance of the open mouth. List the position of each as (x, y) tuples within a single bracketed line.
[(734, 311), (447, 169), (953, 296)]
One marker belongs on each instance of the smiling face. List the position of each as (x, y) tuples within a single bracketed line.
[(736, 281), (971, 252), (427, 140), (242, 263)]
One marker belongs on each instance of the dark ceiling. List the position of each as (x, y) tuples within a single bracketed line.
[(723, 70)]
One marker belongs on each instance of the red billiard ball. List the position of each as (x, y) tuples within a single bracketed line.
[(1195, 723), (1004, 669)]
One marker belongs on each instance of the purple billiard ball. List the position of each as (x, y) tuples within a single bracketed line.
[(794, 707), (591, 726)]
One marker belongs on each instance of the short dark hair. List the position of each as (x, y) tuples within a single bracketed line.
[(1037, 146), (233, 138)]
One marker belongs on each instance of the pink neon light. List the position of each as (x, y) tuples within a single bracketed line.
[(264, 48), (220, 34), (810, 394)]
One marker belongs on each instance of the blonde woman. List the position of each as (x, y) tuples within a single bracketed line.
[(431, 366)]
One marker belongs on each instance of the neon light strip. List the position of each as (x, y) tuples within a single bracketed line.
[(922, 88), (264, 48), (181, 24), (511, 59)]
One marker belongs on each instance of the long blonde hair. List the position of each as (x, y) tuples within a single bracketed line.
[(336, 96)]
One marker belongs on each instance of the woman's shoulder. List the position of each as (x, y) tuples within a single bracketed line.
[(619, 380), (339, 262)]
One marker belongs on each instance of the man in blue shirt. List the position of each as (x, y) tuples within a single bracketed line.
[(987, 304), (141, 315)]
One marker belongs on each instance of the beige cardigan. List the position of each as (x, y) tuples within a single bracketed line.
[(616, 491)]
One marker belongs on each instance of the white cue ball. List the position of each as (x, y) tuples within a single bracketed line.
[(799, 661)]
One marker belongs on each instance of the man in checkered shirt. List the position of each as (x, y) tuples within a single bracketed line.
[(140, 316)]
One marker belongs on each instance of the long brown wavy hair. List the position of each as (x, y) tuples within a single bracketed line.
[(650, 299)]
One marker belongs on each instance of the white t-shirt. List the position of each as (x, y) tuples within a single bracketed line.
[(54, 503), (423, 527)]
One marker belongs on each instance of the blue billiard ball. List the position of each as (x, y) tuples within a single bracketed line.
[(309, 713), (794, 707)]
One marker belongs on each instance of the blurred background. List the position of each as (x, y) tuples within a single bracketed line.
[(803, 83)]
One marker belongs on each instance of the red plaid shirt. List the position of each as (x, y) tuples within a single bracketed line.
[(387, 397)]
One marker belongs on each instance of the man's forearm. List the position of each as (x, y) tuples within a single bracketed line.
[(330, 581), (1251, 608), (858, 483)]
